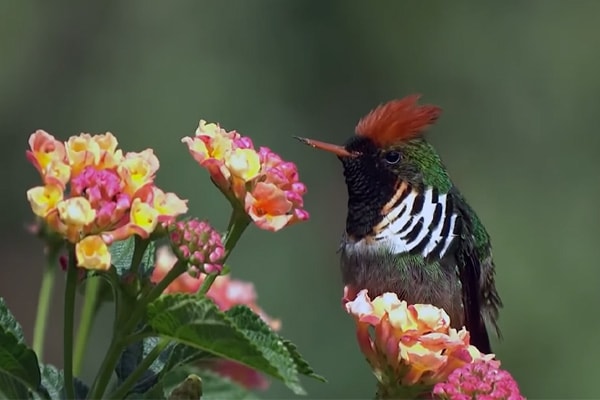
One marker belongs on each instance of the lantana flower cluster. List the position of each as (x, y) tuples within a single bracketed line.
[(478, 381), (410, 344), (94, 194), (226, 293), (266, 186)]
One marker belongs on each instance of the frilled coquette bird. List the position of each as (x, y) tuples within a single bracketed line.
[(408, 228)]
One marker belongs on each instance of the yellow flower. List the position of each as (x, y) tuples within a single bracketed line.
[(167, 204), (143, 217), (44, 199), (92, 253), (110, 157), (57, 172), (76, 212), (82, 151), (138, 169), (244, 164), (45, 149)]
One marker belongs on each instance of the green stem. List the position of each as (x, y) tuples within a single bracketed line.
[(142, 367), (106, 369), (206, 284), (237, 225), (140, 307), (138, 253), (121, 332), (68, 322), (87, 317), (43, 306)]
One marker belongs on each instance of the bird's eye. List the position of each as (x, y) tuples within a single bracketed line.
[(392, 157)]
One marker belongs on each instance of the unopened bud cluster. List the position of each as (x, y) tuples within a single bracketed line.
[(197, 243), (479, 380)]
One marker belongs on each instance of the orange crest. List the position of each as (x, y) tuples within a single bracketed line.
[(397, 120)]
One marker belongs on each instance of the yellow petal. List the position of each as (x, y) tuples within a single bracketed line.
[(92, 253), (244, 163), (144, 218), (76, 211), (44, 199)]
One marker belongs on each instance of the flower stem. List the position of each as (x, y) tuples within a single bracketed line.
[(43, 306), (142, 367), (106, 369), (138, 253), (237, 225), (87, 317), (140, 308), (68, 323)]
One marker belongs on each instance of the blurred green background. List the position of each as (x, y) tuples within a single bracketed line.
[(519, 83)]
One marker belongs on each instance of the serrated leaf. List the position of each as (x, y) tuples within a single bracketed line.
[(53, 384), (181, 354), (271, 344), (148, 260), (303, 367), (18, 366), (122, 254), (241, 335), (9, 323), (53, 381)]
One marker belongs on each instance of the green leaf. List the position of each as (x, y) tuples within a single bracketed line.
[(181, 354), (121, 253), (239, 335), (216, 387), (9, 323), (303, 367), (53, 381), (11, 388), (18, 366)]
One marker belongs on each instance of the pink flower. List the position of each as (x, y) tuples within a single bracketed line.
[(91, 190), (266, 186), (480, 380), (199, 244)]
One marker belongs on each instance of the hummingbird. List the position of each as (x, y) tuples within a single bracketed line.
[(409, 230)]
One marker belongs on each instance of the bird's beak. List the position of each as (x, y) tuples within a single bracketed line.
[(338, 150)]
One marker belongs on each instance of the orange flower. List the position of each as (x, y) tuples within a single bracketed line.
[(268, 207), (411, 344)]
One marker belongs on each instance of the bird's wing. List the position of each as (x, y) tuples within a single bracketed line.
[(476, 269)]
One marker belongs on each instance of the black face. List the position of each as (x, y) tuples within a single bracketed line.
[(371, 184)]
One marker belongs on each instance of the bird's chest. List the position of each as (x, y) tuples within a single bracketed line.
[(409, 252)]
